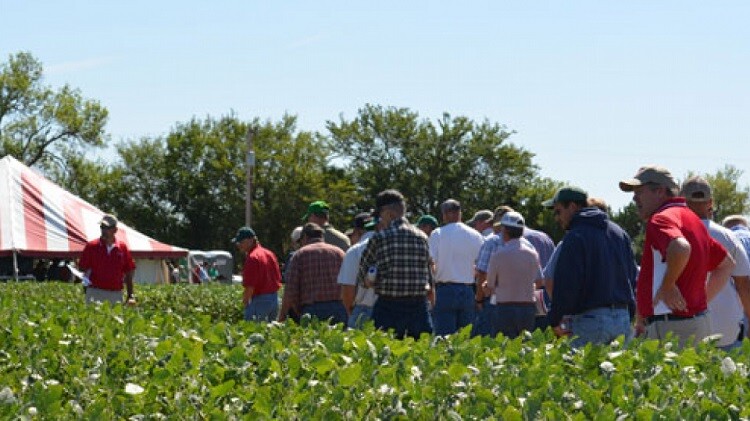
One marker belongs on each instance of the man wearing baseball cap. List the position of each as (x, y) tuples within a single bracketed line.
[(513, 271), (482, 222), (678, 254), (725, 303), (261, 277), (317, 213), (427, 224), (107, 265), (594, 272)]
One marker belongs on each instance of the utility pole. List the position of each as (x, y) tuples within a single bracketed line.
[(250, 169)]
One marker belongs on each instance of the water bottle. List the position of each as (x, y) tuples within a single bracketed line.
[(372, 273)]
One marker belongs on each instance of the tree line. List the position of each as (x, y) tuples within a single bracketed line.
[(187, 187)]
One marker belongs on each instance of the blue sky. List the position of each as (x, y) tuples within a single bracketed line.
[(594, 88)]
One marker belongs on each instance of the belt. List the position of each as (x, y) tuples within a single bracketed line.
[(405, 298), (439, 284), (516, 303), (671, 317), (617, 306)]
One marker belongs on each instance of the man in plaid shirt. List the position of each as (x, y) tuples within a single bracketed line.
[(401, 257), (311, 287)]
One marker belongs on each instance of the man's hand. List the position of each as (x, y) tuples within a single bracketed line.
[(639, 327), (560, 332), (672, 297)]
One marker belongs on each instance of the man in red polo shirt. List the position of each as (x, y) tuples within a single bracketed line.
[(107, 265), (678, 253), (261, 277)]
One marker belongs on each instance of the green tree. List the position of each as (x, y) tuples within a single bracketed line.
[(389, 147), (41, 126), (729, 197), (528, 202), (631, 222), (188, 187)]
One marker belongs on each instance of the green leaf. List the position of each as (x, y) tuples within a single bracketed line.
[(350, 374), (323, 365), (222, 389)]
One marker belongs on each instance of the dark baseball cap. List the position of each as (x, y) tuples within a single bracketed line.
[(243, 233), (566, 194)]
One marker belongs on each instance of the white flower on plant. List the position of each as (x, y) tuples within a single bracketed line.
[(728, 366), (607, 367), (7, 396), (133, 389), (712, 338), (119, 320), (416, 373), (614, 354), (33, 411), (385, 389), (688, 370)]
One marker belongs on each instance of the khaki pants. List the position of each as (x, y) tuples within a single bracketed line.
[(688, 331), (96, 295)]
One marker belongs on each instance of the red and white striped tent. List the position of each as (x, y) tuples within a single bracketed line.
[(40, 219)]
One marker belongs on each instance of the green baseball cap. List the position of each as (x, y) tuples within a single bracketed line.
[(319, 206), (567, 194), (427, 220), (243, 233)]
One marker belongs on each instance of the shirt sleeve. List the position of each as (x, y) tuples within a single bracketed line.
[(483, 259), (717, 253), (434, 241), (662, 231), (128, 264), (740, 257), (349, 268), (84, 263), (568, 276), (368, 259), (249, 272)]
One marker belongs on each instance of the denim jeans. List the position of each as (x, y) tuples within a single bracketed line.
[(512, 319), (360, 315), (483, 320), (263, 307), (327, 310), (600, 326), (407, 317), (454, 308)]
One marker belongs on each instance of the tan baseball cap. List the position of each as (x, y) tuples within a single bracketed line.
[(650, 174), (696, 189)]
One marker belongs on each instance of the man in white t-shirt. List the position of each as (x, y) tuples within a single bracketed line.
[(726, 307), (453, 248), (358, 299)]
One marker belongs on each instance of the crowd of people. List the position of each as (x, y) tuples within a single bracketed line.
[(496, 273), (499, 275)]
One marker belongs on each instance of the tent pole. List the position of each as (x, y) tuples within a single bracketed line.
[(15, 265)]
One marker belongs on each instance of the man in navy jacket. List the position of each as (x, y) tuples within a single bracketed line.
[(595, 273)]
